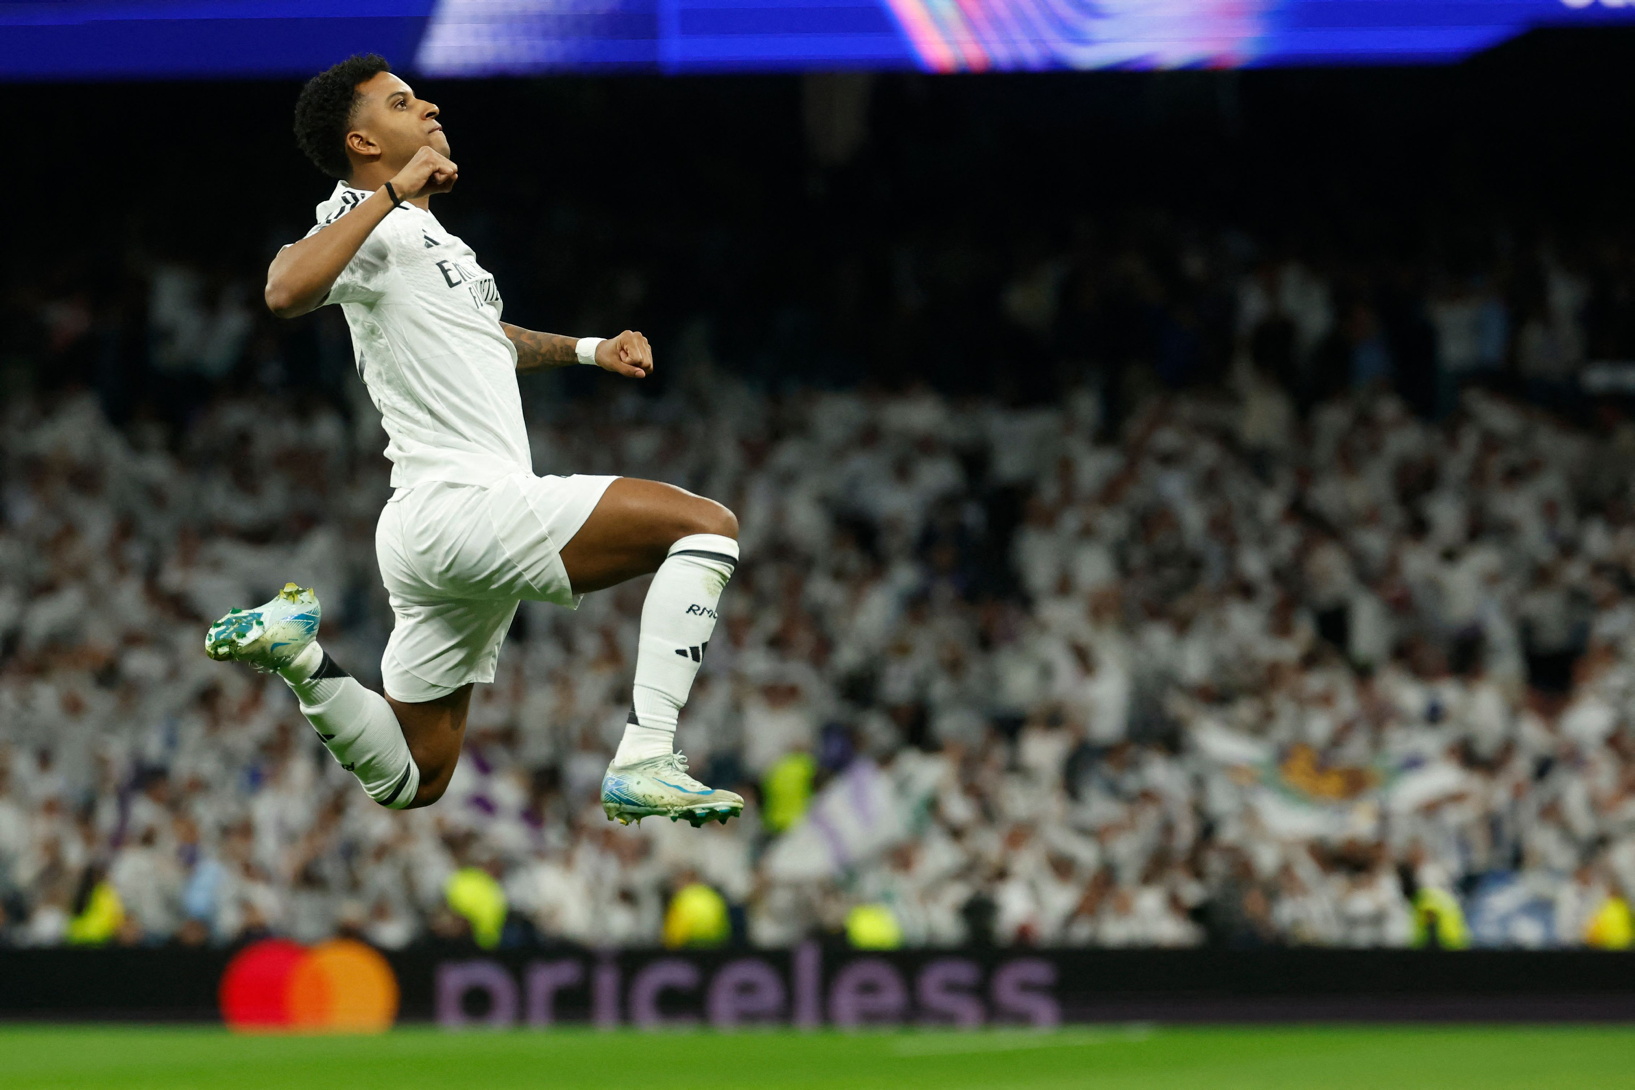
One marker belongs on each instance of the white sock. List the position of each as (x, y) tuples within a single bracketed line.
[(357, 725), (677, 621)]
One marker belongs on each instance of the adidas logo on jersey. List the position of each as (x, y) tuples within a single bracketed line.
[(429, 241), (694, 653)]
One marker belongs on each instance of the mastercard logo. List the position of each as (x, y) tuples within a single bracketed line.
[(341, 986)]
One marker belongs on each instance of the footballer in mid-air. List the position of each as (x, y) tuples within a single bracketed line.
[(469, 530)]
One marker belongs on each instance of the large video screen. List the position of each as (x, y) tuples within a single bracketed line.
[(77, 39)]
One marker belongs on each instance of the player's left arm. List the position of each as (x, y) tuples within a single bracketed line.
[(627, 354)]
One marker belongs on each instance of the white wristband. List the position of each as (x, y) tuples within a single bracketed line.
[(585, 349)]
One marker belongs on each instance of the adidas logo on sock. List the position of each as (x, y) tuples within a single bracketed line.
[(695, 653)]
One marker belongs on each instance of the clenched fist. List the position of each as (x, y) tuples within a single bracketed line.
[(428, 172), (627, 354)]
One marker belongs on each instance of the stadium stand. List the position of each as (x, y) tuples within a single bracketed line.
[(1116, 573), (1252, 665)]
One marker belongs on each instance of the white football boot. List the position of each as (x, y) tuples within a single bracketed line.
[(662, 787), (270, 636)]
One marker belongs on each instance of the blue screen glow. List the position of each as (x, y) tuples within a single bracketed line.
[(88, 39)]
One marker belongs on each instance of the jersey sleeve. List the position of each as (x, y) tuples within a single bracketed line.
[(364, 278)]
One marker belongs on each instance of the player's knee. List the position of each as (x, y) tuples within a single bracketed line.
[(709, 517), (429, 792), (435, 774)]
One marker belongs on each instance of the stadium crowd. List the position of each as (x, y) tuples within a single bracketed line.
[(1310, 644)]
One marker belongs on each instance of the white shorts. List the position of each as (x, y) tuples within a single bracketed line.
[(456, 559)]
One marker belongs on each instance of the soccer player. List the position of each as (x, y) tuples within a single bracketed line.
[(469, 530)]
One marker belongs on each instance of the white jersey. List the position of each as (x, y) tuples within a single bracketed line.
[(425, 321)]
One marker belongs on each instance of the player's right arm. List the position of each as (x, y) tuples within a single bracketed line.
[(299, 278)]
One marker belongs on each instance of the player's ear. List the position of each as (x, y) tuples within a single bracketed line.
[(361, 146)]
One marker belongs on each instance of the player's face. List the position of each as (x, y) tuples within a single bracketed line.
[(396, 121)]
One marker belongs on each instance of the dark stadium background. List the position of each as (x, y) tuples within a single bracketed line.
[(710, 191)]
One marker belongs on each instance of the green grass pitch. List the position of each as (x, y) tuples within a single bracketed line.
[(1113, 1058)]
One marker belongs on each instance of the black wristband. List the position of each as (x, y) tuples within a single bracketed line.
[(392, 193)]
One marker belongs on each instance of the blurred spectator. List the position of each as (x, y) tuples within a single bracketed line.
[(697, 916)]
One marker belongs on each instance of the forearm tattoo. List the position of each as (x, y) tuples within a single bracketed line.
[(536, 351)]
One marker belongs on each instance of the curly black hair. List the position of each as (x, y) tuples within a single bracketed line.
[(323, 113)]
